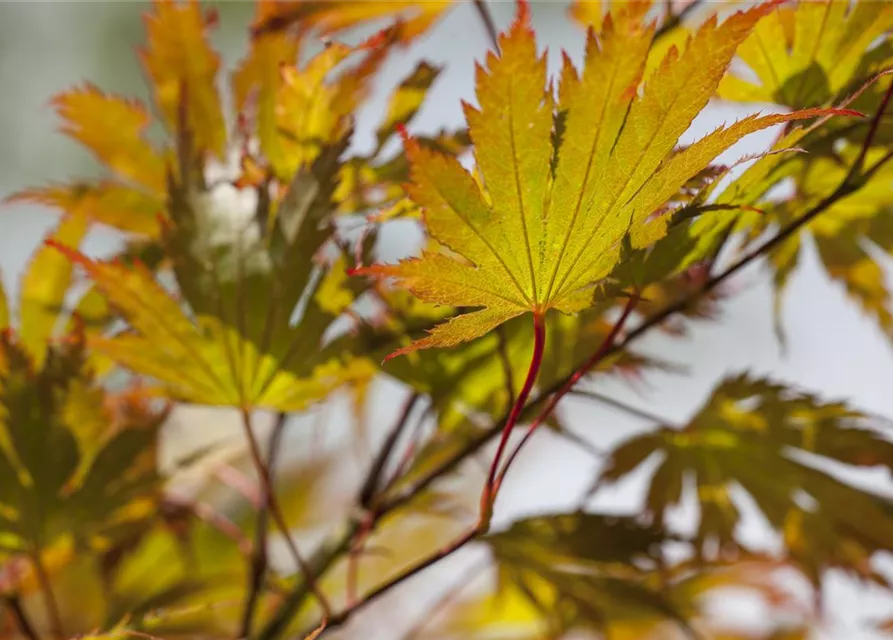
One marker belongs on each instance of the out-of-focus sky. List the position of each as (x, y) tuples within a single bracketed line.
[(832, 349)]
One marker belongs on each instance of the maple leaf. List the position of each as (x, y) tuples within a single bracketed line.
[(72, 466), (258, 80), (234, 342), (538, 240), (584, 570), (750, 435), (43, 288), (183, 69), (297, 111), (113, 129), (807, 54)]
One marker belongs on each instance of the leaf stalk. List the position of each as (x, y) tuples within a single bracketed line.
[(539, 346)]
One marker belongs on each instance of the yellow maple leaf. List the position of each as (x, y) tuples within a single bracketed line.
[(558, 201), (183, 69), (112, 128), (806, 54)]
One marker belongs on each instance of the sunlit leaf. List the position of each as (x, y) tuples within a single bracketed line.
[(183, 69), (43, 288), (535, 242), (805, 55), (104, 202), (751, 435)]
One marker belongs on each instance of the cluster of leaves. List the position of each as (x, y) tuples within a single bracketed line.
[(240, 286)]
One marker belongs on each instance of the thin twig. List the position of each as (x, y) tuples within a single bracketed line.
[(341, 617), (259, 556), (443, 600), (273, 506), (489, 25), (320, 561), (581, 371), (14, 604), (674, 21), (619, 405), (52, 606), (373, 476), (858, 165), (411, 448)]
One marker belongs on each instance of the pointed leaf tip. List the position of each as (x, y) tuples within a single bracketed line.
[(522, 13), (377, 40), (403, 133)]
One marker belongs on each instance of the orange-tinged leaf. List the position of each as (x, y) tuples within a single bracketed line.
[(329, 17), (306, 111), (313, 104), (538, 239), (105, 202), (44, 286), (183, 69), (258, 80), (113, 128)]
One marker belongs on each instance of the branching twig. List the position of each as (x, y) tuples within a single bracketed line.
[(259, 555), (272, 505), (593, 360), (489, 25), (20, 617), (341, 617), (444, 599), (373, 476), (859, 164)]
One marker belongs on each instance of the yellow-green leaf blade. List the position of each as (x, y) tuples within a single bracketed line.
[(513, 147), (596, 108), (43, 288)]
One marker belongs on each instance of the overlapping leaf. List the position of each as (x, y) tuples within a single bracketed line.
[(689, 586), (583, 570), (296, 111), (807, 54), (183, 69), (113, 129), (68, 467), (538, 240), (237, 344), (752, 435)]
